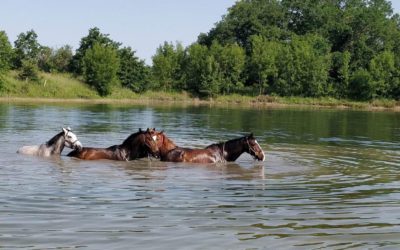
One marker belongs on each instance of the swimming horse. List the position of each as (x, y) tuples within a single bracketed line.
[(137, 145), (220, 152), (54, 146)]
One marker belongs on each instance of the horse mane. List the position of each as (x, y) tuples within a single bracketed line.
[(54, 139), (132, 137), (167, 141), (220, 144)]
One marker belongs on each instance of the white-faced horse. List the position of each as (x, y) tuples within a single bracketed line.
[(54, 146)]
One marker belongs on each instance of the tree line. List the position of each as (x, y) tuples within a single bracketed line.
[(308, 48)]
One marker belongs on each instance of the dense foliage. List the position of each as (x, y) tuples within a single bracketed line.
[(132, 72), (100, 67), (309, 48), (6, 54), (340, 48)]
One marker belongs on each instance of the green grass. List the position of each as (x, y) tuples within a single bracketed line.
[(60, 87)]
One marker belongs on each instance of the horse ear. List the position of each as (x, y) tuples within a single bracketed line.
[(140, 129), (147, 130), (251, 135), (65, 130)]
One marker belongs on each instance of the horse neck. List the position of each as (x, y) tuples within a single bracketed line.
[(233, 149), (133, 144), (167, 145), (56, 143)]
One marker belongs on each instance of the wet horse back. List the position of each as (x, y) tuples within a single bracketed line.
[(95, 154), (29, 150)]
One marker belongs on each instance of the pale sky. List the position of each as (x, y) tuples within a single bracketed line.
[(141, 24)]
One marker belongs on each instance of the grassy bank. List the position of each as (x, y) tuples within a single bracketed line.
[(66, 88)]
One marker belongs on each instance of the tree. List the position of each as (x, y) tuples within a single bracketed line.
[(361, 86), (248, 18), (61, 58), (26, 48), (382, 69), (87, 42), (262, 62), (29, 70), (45, 59), (202, 72), (6, 54), (167, 66), (100, 67), (132, 72), (340, 74), (231, 60)]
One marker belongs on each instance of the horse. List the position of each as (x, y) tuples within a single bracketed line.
[(137, 145), (54, 146), (232, 149), (220, 152)]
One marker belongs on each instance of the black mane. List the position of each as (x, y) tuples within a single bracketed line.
[(54, 139), (132, 137), (221, 144)]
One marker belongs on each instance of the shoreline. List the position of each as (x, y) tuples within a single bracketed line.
[(248, 102)]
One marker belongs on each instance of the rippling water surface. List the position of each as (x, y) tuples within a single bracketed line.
[(330, 181)]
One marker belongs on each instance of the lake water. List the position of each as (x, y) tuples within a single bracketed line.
[(331, 180)]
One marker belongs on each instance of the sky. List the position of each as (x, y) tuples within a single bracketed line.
[(141, 24)]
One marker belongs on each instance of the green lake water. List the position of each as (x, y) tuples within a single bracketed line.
[(331, 180)]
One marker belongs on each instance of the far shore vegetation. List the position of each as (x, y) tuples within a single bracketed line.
[(65, 88), (340, 53)]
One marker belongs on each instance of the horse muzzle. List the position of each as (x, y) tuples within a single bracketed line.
[(260, 156), (77, 145)]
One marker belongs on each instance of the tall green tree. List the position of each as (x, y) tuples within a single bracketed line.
[(61, 58), (248, 18), (6, 52), (383, 71), (45, 57), (167, 66), (263, 62), (202, 72), (361, 86), (26, 47), (339, 74), (6, 55), (132, 72), (87, 42), (231, 60), (303, 67), (29, 70), (100, 67)]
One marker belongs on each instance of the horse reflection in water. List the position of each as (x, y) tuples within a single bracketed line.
[(54, 146), (137, 145), (220, 152)]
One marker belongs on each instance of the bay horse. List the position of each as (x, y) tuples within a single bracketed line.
[(220, 152), (54, 146), (137, 145), (232, 149)]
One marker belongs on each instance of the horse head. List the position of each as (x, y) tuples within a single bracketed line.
[(254, 149), (150, 141), (71, 140), (163, 142)]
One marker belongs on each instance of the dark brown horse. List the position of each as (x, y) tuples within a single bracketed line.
[(232, 149), (221, 152), (137, 145)]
